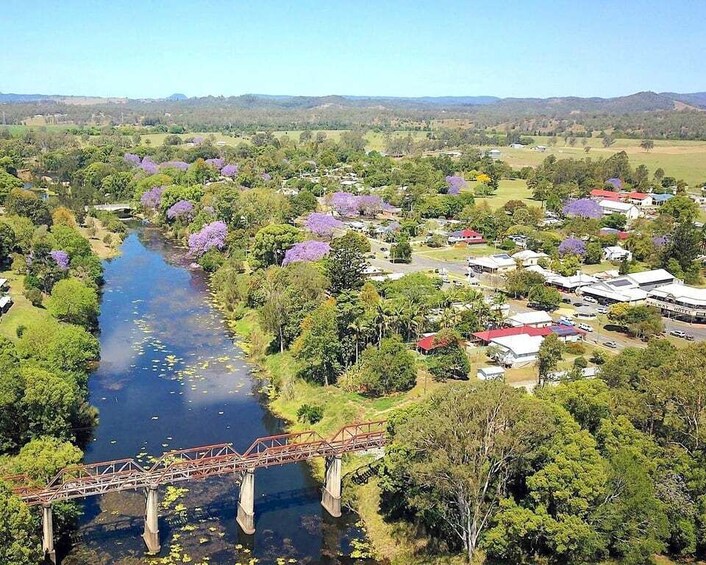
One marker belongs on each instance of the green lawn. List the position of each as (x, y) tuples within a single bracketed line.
[(455, 254), (507, 190), (22, 313)]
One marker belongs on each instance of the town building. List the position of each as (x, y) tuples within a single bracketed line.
[(616, 253), (5, 304), (494, 153), (534, 319), (490, 373), (659, 199), (679, 301), (632, 288), (528, 258), (628, 210), (600, 194), (486, 336), (499, 263), (572, 283), (638, 198), (471, 237), (517, 350)]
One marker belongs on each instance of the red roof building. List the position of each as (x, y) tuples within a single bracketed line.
[(427, 343), (467, 236), (488, 335), (600, 193)]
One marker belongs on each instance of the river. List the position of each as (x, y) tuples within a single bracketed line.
[(171, 377)]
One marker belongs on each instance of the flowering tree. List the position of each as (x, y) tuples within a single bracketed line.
[(455, 184), (182, 209), (322, 224), (310, 250), (152, 198), (216, 163), (149, 166), (583, 208), (211, 236), (617, 183), (181, 165), (660, 240), (345, 203), (229, 170), (61, 258), (132, 159), (369, 205), (572, 246)]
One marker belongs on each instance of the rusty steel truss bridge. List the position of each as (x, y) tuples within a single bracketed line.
[(81, 481)]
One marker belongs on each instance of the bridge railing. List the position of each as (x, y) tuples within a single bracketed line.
[(79, 481)]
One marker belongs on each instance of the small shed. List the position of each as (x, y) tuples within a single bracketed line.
[(490, 373), (5, 303)]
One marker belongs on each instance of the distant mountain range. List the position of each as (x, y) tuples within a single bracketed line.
[(638, 102)]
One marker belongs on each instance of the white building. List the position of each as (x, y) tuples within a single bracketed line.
[(616, 253), (679, 301), (517, 350), (632, 288), (628, 210), (490, 373), (500, 263), (494, 153), (528, 258), (535, 319), (572, 283), (5, 303)]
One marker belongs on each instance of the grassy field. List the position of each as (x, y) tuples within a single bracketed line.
[(22, 313), (507, 190)]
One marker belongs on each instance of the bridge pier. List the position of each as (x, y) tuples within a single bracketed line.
[(331, 495), (48, 534), (151, 533), (246, 502)]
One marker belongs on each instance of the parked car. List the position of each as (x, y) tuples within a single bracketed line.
[(585, 327), (590, 299), (678, 333), (611, 344), (602, 310), (564, 321), (689, 337)]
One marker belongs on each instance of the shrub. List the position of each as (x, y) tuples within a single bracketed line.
[(34, 295), (211, 260), (580, 363), (310, 413), (575, 348), (108, 239), (20, 330), (598, 357)]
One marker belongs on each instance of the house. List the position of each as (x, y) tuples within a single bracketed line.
[(517, 146), (5, 304), (616, 253), (3, 284), (494, 153), (535, 319), (428, 344), (600, 194), (572, 283), (638, 198), (659, 199), (470, 237), (621, 235), (499, 263), (679, 301), (490, 374), (517, 350), (528, 258), (628, 210), (485, 337)]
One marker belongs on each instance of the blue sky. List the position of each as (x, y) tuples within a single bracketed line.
[(150, 48)]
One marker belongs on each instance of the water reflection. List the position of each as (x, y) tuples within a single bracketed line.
[(170, 377)]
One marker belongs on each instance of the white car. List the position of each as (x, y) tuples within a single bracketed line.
[(590, 299), (585, 327), (602, 310)]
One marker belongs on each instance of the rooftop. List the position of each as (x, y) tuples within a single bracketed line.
[(520, 344)]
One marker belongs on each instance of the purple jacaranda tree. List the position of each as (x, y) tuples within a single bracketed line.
[(152, 198), (211, 236), (149, 166), (311, 250), (132, 159), (181, 165), (266, 177), (345, 203), (660, 240), (216, 163), (229, 170), (572, 246), (181, 210), (583, 208), (322, 224), (61, 258), (455, 183), (369, 205), (616, 182)]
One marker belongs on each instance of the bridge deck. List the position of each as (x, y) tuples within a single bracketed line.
[(80, 481)]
